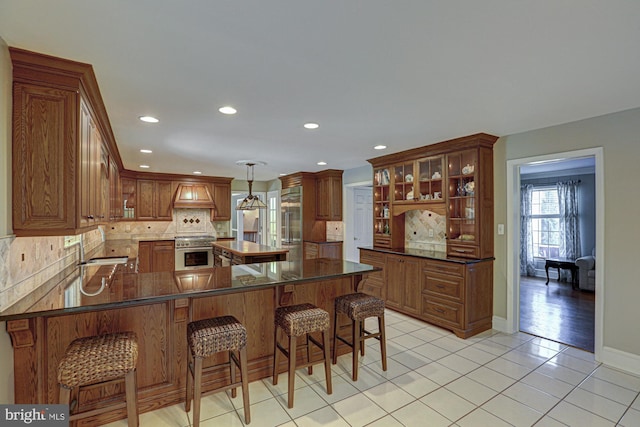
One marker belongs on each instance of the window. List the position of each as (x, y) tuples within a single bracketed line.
[(545, 222), (274, 213)]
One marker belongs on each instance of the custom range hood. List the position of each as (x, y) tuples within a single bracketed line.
[(193, 196)]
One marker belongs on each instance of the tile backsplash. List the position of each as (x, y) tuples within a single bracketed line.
[(425, 230), (335, 230)]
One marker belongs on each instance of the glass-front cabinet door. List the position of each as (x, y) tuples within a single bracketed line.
[(382, 206), (462, 230), (403, 182), (429, 179)]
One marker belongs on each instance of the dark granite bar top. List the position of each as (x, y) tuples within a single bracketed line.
[(321, 242), (422, 253), (100, 287)]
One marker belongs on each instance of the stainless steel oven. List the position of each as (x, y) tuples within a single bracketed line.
[(194, 252)]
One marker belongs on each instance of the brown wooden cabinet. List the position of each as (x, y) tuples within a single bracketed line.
[(452, 178), (329, 195), (154, 200), (323, 250), (454, 295), (222, 200), (116, 205), (154, 256), (61, 145)]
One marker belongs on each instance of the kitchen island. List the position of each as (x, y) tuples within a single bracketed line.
[(157, 307), (244, 252)]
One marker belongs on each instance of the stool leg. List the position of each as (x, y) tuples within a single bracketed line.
[(187, 403), (383, 342), (276, 352), (232, 368), (356, 348), (130, 392), (335, 337), (244, 375), (310, 367), (197, 390), (327, 363), (292, 368), (65, 396), (362, 345)]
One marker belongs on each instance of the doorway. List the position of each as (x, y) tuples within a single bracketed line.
[(358, 219), (514, 168)]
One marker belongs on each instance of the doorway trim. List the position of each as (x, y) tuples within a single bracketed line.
[(347, 214), (513, 243)]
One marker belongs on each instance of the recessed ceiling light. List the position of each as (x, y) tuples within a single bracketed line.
[(144, 166), (197, 173), (379, 147), (322, 163), (227, 110), (311, 126), (283, 174), (145, 151), (148, 119)]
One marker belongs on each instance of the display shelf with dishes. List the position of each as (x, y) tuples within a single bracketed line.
[(403, 182), (430, 179), (382, 202)]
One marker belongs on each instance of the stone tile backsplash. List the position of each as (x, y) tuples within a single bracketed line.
[(425, 230), (335, 230)]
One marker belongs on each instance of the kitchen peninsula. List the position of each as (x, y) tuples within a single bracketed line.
[(244, 252), (157, 307)]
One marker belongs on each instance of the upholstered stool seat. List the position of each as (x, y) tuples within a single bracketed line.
[(205, 338), (358, 307), (296, 321), (98, 359)]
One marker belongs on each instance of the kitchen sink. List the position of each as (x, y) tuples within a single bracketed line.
[(106, 260)]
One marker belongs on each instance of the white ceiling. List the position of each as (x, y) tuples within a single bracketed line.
[(403, 73)]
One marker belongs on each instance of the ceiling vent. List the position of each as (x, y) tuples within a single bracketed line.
[(192, 196)]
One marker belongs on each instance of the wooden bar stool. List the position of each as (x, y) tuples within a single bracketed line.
[(296, 321), (358, 307), (206, 338), (99, 359)]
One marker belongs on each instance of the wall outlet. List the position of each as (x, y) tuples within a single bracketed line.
[(431, 232), (127, 228), (501, 229)]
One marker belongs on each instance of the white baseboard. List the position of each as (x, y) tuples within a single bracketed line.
[(622, 360), (500, 324)]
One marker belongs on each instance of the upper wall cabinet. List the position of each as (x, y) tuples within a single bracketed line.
[(452, 178), (222, 201), (61, 141), (329, 195)]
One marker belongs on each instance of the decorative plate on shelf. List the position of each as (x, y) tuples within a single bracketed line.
[(408, 178)]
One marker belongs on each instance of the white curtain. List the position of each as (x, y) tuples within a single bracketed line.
[(569, 224), (527, 266)]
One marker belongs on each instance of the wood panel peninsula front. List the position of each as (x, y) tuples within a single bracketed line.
[(157, 307), (243, 252)]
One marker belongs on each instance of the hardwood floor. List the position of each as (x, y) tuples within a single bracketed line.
[(557, 312)]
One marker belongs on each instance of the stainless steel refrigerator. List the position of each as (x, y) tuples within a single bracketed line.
[(291, 211)]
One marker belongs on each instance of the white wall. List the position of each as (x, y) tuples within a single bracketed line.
[(619, 136)]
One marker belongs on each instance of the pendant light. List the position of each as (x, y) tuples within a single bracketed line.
[(250, 202)]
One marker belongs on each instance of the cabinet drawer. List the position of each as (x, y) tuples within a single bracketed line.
[(454, 249), (383, 241), (443, 285), (443, 267), (372, 258), (442, 312)]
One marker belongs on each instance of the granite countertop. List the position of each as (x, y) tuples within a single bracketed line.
[(422, 253), (323, 241), (82, 289), (243, 247)]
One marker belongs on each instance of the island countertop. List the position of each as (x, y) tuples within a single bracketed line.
[(244, 248), (83, 290)]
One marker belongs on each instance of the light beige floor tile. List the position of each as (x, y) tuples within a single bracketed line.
[(432, 351), (480, 417), (476, 355), (407, 326), (407, 341), (283, 383), (438, 373), (532, 397), (358, 410), (389, 396), (510, 340), (574, 363), (492, 347), (525, 359), (214, 405), (326, 416), (415, 384), (458, 363), (470, 390), (621, 378), (571, 415), (548, 343), (419, 414), (534, 348), (580, 354), (387, 421), (230, 419), (562, 373), (631, 418), (597, 404), (448, 404), (305, 400), (609, 390), (426, 335), (258, 392), (342, 388), (491, 378), (511, 411), (450, 344), (547, 384), (508, 368), (268, 413), (547, 421), (367, 378), (411, 359)]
